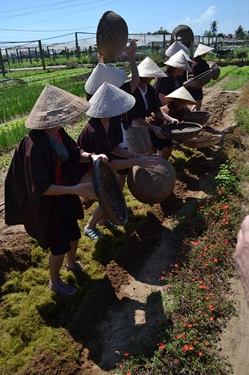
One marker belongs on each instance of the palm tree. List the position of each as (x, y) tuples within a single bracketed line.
[(214, 27)]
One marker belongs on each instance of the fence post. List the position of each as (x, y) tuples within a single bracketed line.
[(30, 58), (41, 54), (77, 45), (2, 63)]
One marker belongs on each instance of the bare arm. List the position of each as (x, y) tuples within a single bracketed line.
[(141, 161), (82, 190), (86, 157), (131, 52)]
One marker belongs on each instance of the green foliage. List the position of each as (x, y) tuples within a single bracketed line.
[(225, 179)]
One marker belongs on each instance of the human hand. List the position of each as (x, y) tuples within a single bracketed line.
[(174, 121), (147, 161), (132, 49), (85, 190), (101, 59), (100, 156)]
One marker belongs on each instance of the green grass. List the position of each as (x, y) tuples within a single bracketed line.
[(19, 100)]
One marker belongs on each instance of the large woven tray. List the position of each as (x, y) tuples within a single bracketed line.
[(198, 117), (180, 131), (152, 185), (112, 36), (199, 81), (203, 140), (109, 193)]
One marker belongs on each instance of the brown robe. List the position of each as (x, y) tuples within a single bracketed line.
[(31, 172)]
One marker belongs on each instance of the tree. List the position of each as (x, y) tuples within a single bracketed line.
[(207, 33), (162, 31), (214, 28), (240, 33)]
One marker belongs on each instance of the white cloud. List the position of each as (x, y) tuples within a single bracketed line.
[(198, 25)]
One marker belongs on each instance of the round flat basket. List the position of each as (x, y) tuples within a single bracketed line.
[(200, 80), (198, 117), (112, 36), (152, 185), (216, 71), (109, 193), (180, 131), (204, 140), (184, 34)]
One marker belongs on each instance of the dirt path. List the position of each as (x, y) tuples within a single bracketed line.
[(126, 307)]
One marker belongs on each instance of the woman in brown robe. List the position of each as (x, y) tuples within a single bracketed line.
[(41, 191)]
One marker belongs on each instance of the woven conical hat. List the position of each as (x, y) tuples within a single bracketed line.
[(55, 107), (154, 184), (202, 49), (181, 93), (178, 60), (112, 35), (104, 73), (110, 101), (175, 47), (148, 68)]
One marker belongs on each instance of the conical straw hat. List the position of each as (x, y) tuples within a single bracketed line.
[(178, 60), (202, 49), (104, 73), (110, 101), (148, 68), (181, 93), (55, 107), (175, 47)]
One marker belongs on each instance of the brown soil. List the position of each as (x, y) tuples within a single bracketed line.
[(127, 305)]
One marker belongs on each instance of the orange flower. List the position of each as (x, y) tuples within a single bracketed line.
[(178, 336), (211, 318), (211, 307), (187, 348), (126, 354), (215, 259), (176, 360), (161, 347), (200, 354)]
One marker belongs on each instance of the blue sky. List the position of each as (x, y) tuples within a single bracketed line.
[(47, 20)]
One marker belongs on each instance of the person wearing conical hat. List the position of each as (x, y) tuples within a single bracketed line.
[(117, 77), (199, 66), (176, 67), (178, 102), (103, 134), (141, 130), (175, 47), (41, 191)]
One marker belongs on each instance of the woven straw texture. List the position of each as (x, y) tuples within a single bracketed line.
[(203, 140), (109, 193), (152, 185), (183, 34), (112, 36), (55, 107), (180, 131), (199, 117), (200, 80)]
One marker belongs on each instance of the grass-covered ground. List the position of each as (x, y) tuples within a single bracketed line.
[(32, 321)]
